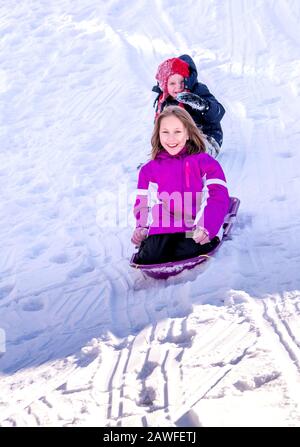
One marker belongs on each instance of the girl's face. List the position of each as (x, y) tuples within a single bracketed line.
[(175, 85), (172, 134)]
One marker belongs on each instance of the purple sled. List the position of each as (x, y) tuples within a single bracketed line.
[(166, 269)]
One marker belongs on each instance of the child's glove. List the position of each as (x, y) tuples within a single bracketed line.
[(139, 235), (201, 236), (193, 101)]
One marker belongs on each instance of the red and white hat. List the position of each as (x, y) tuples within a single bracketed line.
[(168, 68)]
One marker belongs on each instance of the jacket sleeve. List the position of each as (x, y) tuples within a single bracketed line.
[(215, 198), (215, 111), (140, 209)]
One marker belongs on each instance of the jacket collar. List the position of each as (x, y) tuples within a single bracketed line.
[(165, 155)]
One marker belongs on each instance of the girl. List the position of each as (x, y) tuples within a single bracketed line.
[(182, 195), (178, 85)]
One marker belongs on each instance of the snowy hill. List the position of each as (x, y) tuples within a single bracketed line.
[(84, 339)]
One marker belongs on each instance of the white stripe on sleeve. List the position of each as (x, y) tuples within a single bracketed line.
[(216, 181)]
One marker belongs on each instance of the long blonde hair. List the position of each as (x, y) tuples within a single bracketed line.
[(195, 144)]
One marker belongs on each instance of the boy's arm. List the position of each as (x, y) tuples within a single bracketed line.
[(202, 101), (215, 110)]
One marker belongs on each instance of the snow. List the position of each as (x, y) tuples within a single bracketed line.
[(84, 339)]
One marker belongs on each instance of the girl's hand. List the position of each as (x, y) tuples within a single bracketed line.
[(139, 235), (201, 236)]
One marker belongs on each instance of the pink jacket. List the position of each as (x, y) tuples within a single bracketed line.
[(178, 193)]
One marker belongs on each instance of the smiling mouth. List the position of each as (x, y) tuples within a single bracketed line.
[(172, 146)]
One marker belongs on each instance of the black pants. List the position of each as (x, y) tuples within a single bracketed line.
[(160, 248)]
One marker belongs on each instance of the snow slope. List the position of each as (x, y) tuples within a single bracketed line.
[(84, 340)]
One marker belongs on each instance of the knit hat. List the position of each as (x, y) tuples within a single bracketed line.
[(168, 68)]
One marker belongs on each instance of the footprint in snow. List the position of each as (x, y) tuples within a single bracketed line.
[(259, 116), (76, 273), (160, 307), (147, 370), (285, 154), (39, 188), (147, 397), (36, 251), (33, 306), (185, 338), (279, 198), (59, 259), (252, 383), (271, 101), (5, 291)]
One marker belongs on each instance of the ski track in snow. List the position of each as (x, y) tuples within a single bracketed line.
[(89, 341)]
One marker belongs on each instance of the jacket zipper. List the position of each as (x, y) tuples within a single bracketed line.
[(187, 174)]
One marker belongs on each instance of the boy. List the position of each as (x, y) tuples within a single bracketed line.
[(178, 85)]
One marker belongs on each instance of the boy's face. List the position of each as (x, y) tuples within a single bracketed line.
[(172, 134), (175, 85)]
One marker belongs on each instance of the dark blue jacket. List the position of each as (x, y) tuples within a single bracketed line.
[(209, 120)]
